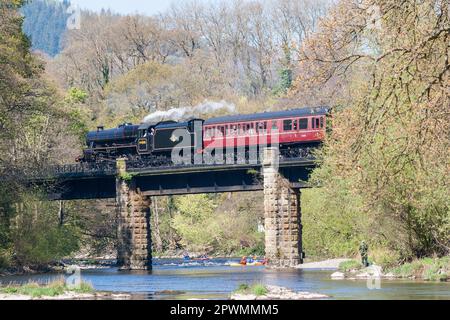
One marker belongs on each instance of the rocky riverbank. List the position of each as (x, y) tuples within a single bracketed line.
[(68, 296), (427, 269), (275, 293)]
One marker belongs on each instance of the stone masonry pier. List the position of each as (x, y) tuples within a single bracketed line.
[(282, 211), (134, 250)]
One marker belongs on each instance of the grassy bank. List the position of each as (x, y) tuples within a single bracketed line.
[(52, 289), (428, 269), (258, 290)]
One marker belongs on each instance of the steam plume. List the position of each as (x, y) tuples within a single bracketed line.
[(184, 113)]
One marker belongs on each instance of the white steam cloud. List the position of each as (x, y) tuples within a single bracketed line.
[(184, 113)]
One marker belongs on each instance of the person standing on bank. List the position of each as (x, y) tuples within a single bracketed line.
[(363, 250)]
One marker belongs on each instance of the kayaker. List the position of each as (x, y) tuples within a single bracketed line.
[(243, 261), (186, 256)]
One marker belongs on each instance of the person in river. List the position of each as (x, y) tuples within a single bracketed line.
[(363, 250), (186, 256), (243, 261)]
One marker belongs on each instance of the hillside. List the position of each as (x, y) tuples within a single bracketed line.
[(45, 24)]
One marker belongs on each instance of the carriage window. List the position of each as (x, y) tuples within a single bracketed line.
[(262, 127), (295, 125), (313, 123), (252, 128), (317, 123), (322, 123), (274, 125), (303, 124), (287, 125), (233, 130)]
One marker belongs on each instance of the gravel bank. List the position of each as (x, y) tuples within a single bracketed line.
[(332, 264)]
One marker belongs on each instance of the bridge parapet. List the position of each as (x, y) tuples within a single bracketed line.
[(109, 168)]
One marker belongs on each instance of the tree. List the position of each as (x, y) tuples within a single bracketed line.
[(390, 140), (33, 135)]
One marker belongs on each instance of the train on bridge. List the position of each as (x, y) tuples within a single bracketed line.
[(296, 132)]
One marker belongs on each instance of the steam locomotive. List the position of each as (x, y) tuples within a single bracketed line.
[(294, 131)]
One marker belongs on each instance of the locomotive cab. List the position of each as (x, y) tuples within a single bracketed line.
[(145, 138)]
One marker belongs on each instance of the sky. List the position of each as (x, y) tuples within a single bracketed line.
[(148, 7)]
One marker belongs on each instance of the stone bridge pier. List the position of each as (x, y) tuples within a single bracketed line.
[(134, 251), (282, 213)]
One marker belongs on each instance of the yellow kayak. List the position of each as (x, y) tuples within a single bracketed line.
[(254, 264)]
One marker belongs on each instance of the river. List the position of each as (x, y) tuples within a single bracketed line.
[(175, 279)]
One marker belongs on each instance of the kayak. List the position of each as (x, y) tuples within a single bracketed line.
[(254, 264)]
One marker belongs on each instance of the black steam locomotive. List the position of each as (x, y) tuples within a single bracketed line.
[(139, 141)]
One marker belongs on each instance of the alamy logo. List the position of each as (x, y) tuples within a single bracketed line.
[(73, 281), (374, 279)]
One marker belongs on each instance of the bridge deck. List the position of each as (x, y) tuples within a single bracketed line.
[(97, 182)]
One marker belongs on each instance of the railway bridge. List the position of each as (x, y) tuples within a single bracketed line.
[(133, 185)]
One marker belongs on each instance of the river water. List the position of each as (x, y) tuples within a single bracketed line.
[(175, 279)]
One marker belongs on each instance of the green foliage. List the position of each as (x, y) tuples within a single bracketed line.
[(75, 95), (5, 258), (258, 290), (285, 82), (38, 239), (31, 124), (258, 250), (52, 289), (195, 222), (384, 257), (430, 269), (243, 287), (385, 163), (224, 225), (334, 221), (126, 176), (347, 266)]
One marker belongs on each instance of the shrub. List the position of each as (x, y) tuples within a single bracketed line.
[(243, 288), (429, 269), (51, 289), (384, 257), (350, 265), (259, 290), (5, 258)]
